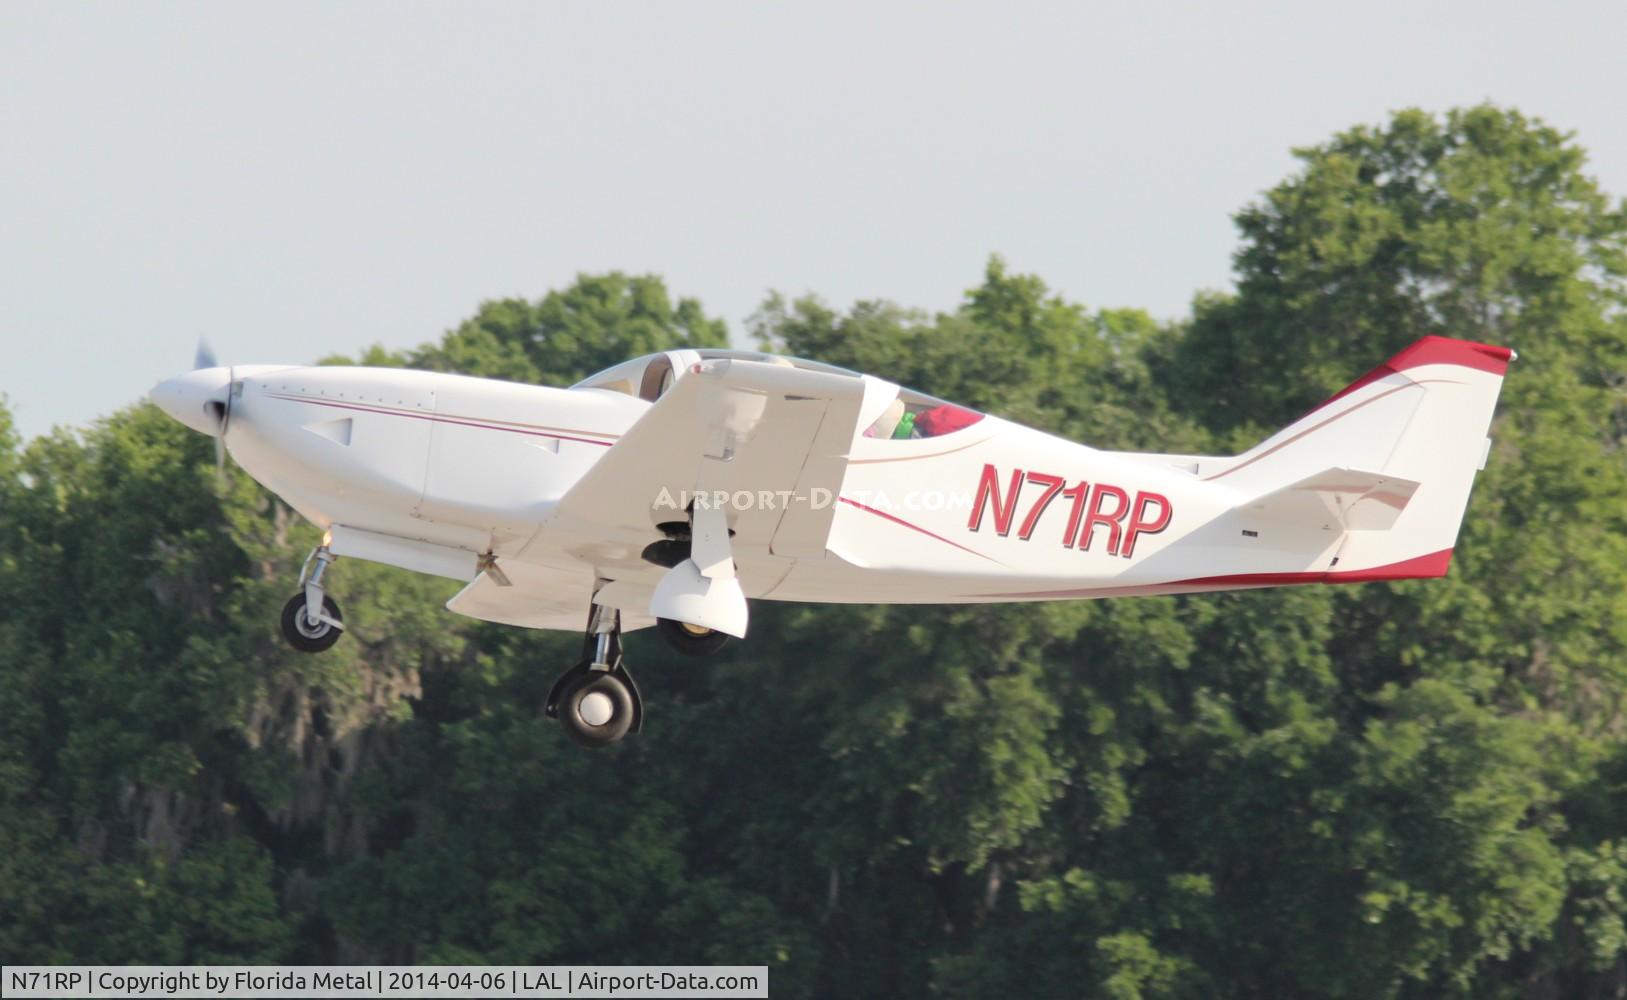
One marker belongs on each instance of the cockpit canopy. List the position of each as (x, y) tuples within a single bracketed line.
[(908, 415)]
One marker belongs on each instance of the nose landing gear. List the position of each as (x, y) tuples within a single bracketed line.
[(596, 701), (311, 621)]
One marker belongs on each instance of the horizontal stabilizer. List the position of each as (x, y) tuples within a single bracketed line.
[(1348, 498)]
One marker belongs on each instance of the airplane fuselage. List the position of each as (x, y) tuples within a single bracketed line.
[(993, 512)]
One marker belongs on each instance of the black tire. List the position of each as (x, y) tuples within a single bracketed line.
[(667, 553), (298, 631), (590, 688), (686, 639)]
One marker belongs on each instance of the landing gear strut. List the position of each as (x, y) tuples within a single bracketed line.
[(310, 620), (596, 700)]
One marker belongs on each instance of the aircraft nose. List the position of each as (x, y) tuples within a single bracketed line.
[(187, 397)]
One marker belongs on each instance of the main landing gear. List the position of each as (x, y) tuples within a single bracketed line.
[(691, 640), (676, 548), (596, 700), (310, 620)]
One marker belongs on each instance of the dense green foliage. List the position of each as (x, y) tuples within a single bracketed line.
[(1394, 790)]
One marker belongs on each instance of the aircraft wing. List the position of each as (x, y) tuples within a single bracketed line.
[(534, 596), (779, 433)]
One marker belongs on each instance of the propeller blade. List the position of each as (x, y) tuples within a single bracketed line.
[(222, 412), (205, 357)]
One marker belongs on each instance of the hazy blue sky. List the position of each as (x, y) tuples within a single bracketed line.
[(290, 180)]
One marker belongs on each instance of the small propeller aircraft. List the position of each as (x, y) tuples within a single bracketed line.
[(669, 489)]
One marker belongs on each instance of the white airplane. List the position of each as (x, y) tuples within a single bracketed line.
[(669, 489)]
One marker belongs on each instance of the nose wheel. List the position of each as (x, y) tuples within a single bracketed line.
[(596, 701), (308, 636), (311, 621)]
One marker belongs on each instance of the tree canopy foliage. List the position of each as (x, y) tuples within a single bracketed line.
[(1397, 790)]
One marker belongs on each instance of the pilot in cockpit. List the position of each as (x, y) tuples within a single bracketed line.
[(900, 422)]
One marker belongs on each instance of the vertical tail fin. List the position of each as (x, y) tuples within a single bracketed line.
[(1422, 417)]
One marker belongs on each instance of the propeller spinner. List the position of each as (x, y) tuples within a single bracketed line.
[(200, 399)]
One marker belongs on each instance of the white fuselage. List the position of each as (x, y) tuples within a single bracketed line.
[(464, 462), (447, 474), (477, 464)]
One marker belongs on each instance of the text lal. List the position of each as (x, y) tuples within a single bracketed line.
[(1089, 506), (557, 980)]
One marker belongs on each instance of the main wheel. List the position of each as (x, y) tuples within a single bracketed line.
[(597, 709), (691, 640), (301, 633)]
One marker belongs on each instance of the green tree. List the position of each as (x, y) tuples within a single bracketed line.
[(1477, 224), (599, 321), (1407, 790)]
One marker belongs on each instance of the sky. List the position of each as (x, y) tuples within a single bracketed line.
[(293, 180)]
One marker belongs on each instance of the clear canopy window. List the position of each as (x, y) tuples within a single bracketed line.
[(911, 415), (917, 415)]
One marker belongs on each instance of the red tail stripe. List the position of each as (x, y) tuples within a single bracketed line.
[(1433, 350), (1421, 567)]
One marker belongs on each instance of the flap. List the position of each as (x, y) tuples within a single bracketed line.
[(537, 597)]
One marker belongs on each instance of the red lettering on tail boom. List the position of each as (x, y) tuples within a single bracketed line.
[(1052, 485), (988, 494), (1149, 514), (1098, 516), (1139, 525)]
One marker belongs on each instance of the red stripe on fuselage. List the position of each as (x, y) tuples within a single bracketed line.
[(916, 527), (1418, 568)]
